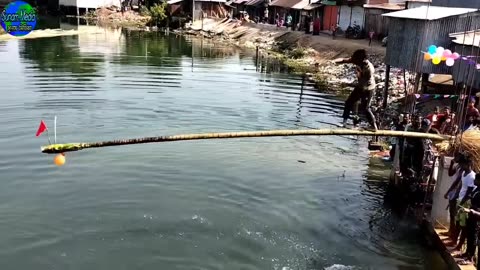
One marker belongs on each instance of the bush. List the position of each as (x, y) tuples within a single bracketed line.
[(158, 12), (297, 53), (144, 11)]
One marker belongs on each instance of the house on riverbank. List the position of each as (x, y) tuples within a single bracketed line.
[(466, 71), (412, 31), (79, 7)]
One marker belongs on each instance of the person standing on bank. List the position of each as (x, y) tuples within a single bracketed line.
[(472, 222), (468, 185), (365, 87), (455, 172), (474, 213)]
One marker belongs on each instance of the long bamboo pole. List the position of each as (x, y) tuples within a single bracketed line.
[(69, 147)]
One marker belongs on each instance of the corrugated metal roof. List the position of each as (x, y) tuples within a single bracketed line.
[(214, 1), (286, 3), (239, 1), (312, 6), (429, 13), (254, 2), (301, 5), (471, 38), (386, 6)]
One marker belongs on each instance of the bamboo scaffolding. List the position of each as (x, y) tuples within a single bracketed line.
[(70, 147)]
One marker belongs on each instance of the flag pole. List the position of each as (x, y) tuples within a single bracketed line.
[(55, 130), (49, 142)]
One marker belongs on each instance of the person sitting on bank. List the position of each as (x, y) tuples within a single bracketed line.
[(449, 127), (434, 118), (474, 123), (364, 89), (471, 115)]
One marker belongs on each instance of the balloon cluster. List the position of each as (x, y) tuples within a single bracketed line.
[(439, 54)]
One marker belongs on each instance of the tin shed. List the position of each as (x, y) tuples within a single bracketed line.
[(467, 70), (411, 31)]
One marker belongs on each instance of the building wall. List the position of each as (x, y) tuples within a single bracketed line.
[(464, 72), (456, 3), (89, 3), (416, 4), (330, 17), (374, 21), (68, 3), (439, 213), (349, 15)]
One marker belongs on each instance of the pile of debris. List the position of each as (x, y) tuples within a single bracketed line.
[(114, 16), (344, 75)]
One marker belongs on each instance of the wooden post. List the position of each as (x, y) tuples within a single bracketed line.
[(387, 83), (256, 57), (415, 90), (424, 81)]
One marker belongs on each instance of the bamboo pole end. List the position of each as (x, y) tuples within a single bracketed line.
[(61, 148)]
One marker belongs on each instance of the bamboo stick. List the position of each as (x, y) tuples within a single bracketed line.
[(69, 147)]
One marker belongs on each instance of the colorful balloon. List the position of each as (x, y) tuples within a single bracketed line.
[(443, 58), (447, 53), (450, 62), (432, 49), (440, 51), (436, 60), (59, 159), (427, 56), (455, 56)]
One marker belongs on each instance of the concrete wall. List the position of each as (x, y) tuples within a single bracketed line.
[(348, 15), (456, 3), (439, 212)]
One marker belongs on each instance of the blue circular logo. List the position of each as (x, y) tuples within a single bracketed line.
[(18, 18)]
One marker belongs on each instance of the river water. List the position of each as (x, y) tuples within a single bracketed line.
[(272, 203)]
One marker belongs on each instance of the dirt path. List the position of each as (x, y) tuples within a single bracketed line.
[(329, 48)]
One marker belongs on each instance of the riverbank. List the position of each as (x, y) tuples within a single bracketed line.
[(306, 54), (112, 16)]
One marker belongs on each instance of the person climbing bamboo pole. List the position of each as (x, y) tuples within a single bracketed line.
[(365, 87)]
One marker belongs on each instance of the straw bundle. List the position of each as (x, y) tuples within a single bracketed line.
[(469, 143)]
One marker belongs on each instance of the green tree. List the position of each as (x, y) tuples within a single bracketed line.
[(159, 12)]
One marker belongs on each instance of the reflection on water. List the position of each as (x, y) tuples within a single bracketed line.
[(273, 203)]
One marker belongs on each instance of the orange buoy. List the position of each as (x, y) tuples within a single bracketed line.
[(59, 159)]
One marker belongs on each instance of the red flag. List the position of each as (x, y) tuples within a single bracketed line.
[(41, 128)]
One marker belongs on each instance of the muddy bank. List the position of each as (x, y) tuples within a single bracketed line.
[(305, 54)]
